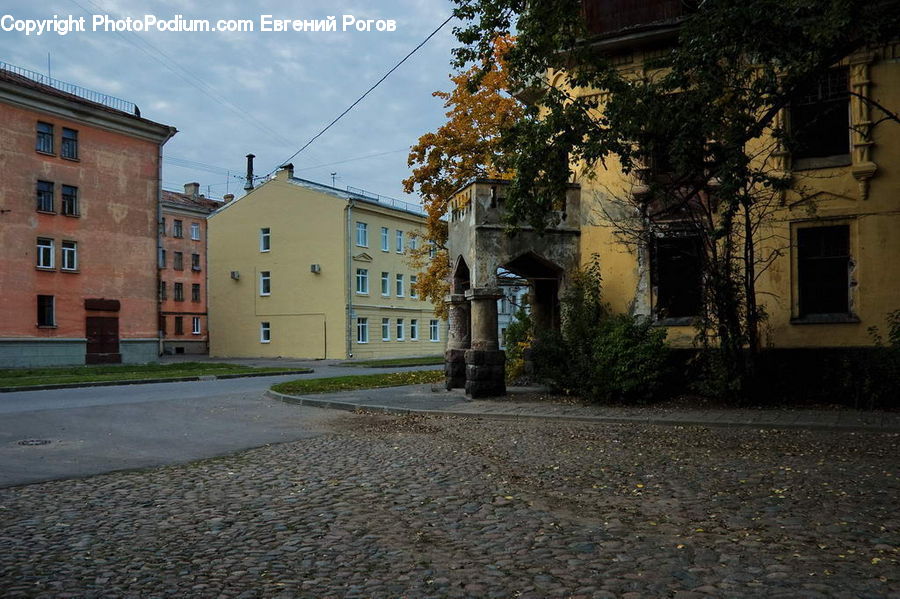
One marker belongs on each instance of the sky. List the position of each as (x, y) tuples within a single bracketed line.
[(266, 93)]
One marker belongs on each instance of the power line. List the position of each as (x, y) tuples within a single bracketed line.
[(367, 156), (368, 91)]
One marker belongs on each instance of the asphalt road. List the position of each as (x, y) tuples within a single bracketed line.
[(93, 430)]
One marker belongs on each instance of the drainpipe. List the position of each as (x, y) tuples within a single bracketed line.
[(349, 278), (159, 237)]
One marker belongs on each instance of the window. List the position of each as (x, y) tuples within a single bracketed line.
[(177, 229), (44, 141), (413, 292), (820, 117), (677, 276), (413, 242), (362, 235), (195, 325), (432, 249), (69, 200), (162, 227), (178, 261), (265, 239), (161, 323), (385, 284), (385, 241), (163, 294), (400, 291), (44, 196), (162, 258), (414, 330), (265, 332), (385, 329), (69, 255), (45, 251), (178, 292), (362, 280), (179, 325), (433, 330), (265, 283), (195, 292), (195, 231), (195, 261), (399, 329), (46, 311), (362, 330), (399, 241), (69, 144), (823, 269)]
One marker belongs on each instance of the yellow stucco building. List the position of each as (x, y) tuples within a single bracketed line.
[(303, 270), (834, 237)]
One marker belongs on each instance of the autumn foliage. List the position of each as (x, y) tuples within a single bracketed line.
[(465, 147)]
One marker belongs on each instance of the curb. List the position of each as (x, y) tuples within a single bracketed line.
[(180, 379), (661, 421)]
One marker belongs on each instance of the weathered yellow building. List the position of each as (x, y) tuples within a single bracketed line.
[(834, 237), (303, 270)]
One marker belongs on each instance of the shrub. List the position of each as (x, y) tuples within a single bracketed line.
[(597, 355)]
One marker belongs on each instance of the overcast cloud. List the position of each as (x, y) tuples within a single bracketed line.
[(285, 86)]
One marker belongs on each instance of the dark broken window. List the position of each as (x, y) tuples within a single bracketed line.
[(820, 117), (823, 266), (677, 274)]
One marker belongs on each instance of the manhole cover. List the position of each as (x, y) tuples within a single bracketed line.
[(35, 442)]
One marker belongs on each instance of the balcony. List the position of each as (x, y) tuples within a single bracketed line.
[(608, 17)]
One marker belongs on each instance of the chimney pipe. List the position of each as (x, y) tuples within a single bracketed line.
[(249, 184), (192, 189)]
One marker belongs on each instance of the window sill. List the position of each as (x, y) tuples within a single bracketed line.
[(46, 211), (265, 295), (46, 326), (826, 319), (681, 321), (70, 159), (807, 164), (71, 271), (43, 153), (362, 294), (264, 251), (45, 268), (265, 342), (71, 215)]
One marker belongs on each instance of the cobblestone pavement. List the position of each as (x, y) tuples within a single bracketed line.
[(388, 507)]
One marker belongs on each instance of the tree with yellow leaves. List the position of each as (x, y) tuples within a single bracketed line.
[(467, 146)]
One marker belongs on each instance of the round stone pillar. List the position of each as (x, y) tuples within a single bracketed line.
[(458, 341), (485, 361)]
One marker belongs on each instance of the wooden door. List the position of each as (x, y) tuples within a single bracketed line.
[(102, 340)]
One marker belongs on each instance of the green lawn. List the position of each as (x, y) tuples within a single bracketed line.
[(426, 361), (362, 381), (23, 377)]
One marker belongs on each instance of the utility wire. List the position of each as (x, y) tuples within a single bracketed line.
[(368, 91)]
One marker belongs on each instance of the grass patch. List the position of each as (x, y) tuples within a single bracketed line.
[(24, 377), (426, 361), (362, 381)]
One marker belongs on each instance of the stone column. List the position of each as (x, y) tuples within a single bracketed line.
[(485, 361), (458, 341)]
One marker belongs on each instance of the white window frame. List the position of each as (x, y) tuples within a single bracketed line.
[(413, 292), (265, 332), (413, 329), (400, 330), (401, 292), (265, 283), (362, 330), (195, 325), (362, 234), (46, 249), (434, 330), (399, 242), (385, 329), (385, 239), (413, 242), (195, 231), (385, 284), (67, 254), (265, 239), (362, 281)]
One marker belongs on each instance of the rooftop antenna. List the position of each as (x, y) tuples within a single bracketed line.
[(48, 66), (248, 186), (333, 177)]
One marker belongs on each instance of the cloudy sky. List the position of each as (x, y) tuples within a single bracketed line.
[(266, 93)]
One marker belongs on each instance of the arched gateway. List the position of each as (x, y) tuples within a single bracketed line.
[(480, 247)]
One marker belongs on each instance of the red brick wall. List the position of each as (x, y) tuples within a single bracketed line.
[(187, 309), (116, 176)]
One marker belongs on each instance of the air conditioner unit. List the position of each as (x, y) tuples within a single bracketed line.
[(235, 275), (316, 268)]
